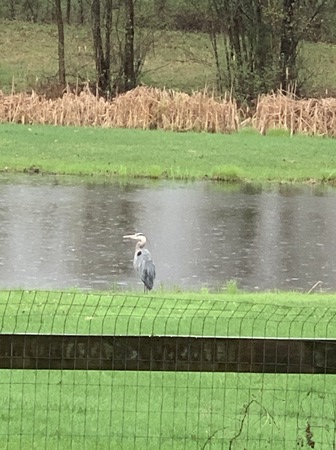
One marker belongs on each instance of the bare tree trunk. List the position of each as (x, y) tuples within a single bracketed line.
[(12, 9), (213, 40), (160, 8), (129, 73), (288, 46), (31, 9), (61, 59), (97, 41), (246, 50), (68, 12), (102, 60), (108, 31), (81, 12)]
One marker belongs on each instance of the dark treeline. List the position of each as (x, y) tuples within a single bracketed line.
[(255, 43), (183, 15)]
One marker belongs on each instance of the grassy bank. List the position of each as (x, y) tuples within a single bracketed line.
[(165, 410), (152, 410), (285, 314), (182, 410), (243, 156)]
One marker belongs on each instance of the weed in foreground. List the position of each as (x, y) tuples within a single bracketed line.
[(232, 287)]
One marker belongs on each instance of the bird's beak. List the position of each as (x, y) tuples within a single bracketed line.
[(129, 236)]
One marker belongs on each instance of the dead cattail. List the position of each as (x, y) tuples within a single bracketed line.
[(143, 107), (308, 116)]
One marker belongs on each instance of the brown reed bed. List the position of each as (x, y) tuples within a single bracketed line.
[(315, 117), (143, 107), (153, 108)]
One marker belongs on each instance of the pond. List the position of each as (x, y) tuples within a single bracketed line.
[(68, 234)]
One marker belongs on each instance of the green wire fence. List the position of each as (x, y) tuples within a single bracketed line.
[(89, 371)]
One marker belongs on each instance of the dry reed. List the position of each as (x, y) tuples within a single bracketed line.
[(152, 108), (143, 107), (307, 116)]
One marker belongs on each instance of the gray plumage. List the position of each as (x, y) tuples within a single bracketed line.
[(142, 261)]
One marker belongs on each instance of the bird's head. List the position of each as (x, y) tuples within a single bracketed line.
[(136, 237)]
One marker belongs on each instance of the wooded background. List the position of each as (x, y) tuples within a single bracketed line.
[(255, 43)]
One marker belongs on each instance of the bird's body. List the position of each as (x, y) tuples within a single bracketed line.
[(142, 261)]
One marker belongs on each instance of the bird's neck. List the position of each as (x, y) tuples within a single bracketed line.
[(140, 244), (137, 246)]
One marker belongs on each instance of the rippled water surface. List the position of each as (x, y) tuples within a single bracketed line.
[(69, 234)]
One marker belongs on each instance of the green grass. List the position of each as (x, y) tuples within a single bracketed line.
[(182, 61), (162, 410), (152, 410), (243, 156), (285, 314)]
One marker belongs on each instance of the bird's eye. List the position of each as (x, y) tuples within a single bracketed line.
[(139, 254)]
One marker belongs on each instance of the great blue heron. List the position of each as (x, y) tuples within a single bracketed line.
[(142, 261)]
